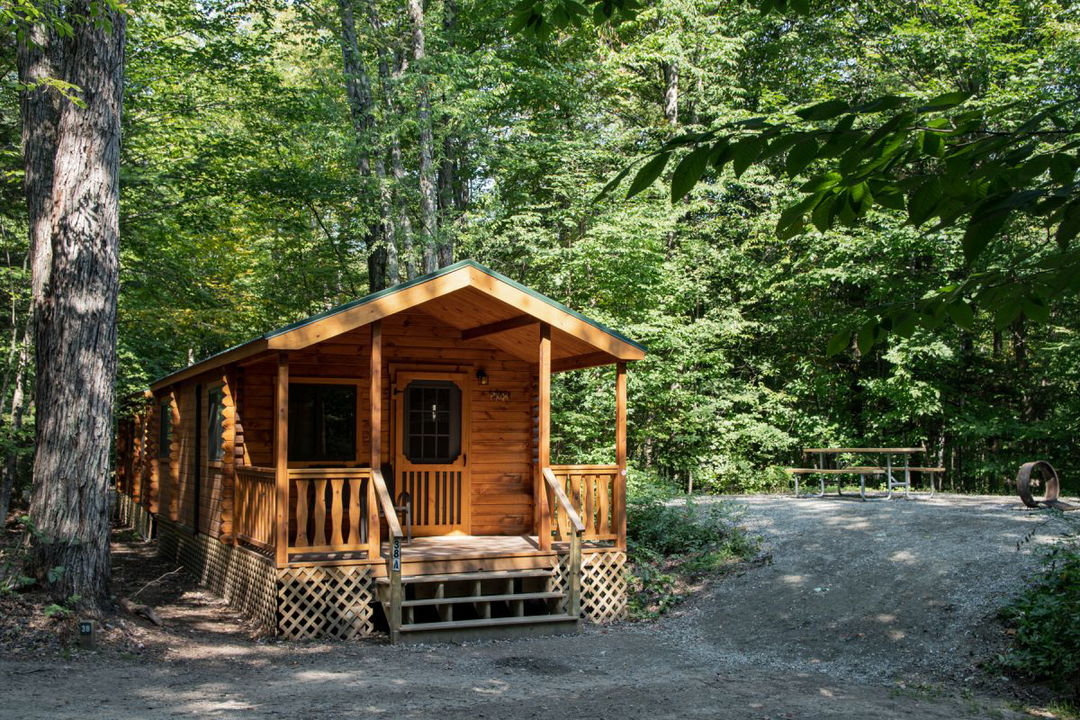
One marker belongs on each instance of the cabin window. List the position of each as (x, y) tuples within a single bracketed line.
[(164, 429), (433, 422), (322, 422), (215, 423)]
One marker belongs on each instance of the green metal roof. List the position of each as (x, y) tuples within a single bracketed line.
[(398, 288)]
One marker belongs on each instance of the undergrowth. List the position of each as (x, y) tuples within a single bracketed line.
[(674, 550), (1045, 621)]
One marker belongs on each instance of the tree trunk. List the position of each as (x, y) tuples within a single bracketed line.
[(39, 57), (671, 91), (397, 168), (399, 227), (428, 199), (362, 110), (448, 206), (75, 303)]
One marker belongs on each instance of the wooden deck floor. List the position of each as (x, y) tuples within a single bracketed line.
[(511, 551), (455, 547)]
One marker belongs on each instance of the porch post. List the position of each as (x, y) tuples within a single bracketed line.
[(281, 459), (375, 402), (543, 443), (620, 453), (375, 427)]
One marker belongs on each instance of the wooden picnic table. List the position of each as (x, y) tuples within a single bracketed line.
[(823, 470)]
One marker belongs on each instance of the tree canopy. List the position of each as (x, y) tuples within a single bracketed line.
[(851, 223)]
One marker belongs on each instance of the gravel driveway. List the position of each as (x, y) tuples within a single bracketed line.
[(868, 610)]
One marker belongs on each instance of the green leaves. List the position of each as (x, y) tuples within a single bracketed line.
[(961, 314), (839, 343), (541, 18), (689, 171), (946, 101), (801, 156), (744, 152), (648, 173), (981, 229), (824, 110)]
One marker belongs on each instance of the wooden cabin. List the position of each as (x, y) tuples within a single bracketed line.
[(388, 461)]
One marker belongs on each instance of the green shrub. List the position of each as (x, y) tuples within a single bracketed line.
[(678, 530), (1046, 618), (672, 546)]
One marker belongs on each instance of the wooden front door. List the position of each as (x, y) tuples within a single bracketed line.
[(432, 449)]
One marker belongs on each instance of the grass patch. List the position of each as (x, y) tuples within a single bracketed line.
[(675, 550)]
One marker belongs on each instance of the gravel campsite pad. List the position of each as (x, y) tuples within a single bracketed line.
[(881, 609)]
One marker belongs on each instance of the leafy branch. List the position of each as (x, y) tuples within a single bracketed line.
[(940, 163)]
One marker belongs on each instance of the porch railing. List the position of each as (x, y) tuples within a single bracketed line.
[(593, 491), (332, 510), (255, 506)]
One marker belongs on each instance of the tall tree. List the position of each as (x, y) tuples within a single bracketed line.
[(72, 153), (426, 143), (369, 160)]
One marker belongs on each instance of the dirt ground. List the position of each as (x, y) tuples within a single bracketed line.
[(868, 610)]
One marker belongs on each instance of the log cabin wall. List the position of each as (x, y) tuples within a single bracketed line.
[(167, 469), (171, 479), (149, 490), (499, 459)]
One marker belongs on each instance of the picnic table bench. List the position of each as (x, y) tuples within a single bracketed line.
[(822, 469)]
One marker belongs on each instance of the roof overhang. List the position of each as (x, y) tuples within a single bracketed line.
[(481, 303)]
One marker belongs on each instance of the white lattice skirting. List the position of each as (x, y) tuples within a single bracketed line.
[(603, 585), (326, 602)]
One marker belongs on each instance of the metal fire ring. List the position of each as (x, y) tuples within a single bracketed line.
[(1045, 475)]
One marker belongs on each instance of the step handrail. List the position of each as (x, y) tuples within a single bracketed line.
[(574, 569), (393, 525), (393, 558), (567, 507)]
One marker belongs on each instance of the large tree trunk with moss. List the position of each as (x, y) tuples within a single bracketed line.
[(74, 220)]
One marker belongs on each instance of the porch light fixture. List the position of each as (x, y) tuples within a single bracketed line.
[(481, 377)]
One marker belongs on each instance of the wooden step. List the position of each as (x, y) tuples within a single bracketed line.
[(465, 576), (488, 622), (483, 598), (494, 629)]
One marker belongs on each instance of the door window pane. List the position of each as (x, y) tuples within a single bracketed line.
[(433, 422)]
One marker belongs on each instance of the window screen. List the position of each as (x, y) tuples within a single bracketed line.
[(322, 422), (432, 422), (215, 423)]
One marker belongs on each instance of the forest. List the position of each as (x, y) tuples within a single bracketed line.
[(279, 158)]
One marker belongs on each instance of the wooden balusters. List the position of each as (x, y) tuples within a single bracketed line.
[(336, 524), (592, 490), (301, 513), (255, 495), (336, 511)]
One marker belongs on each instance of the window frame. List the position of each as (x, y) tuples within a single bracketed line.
[(215, 451), (357, 383), (165, 428)]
